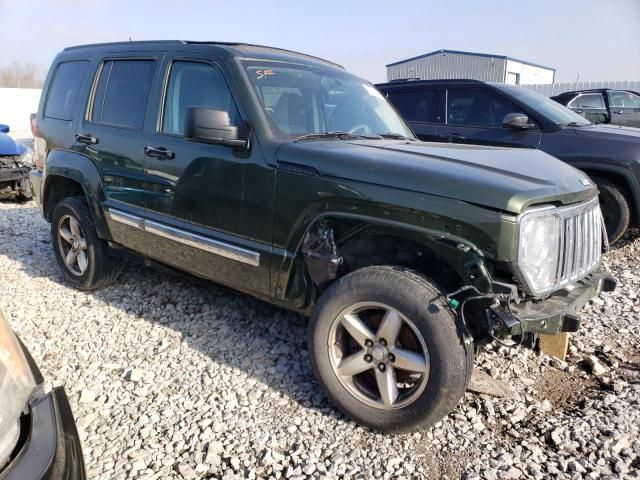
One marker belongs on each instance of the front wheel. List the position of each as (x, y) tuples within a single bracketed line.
[(388, 351), (615, 208)]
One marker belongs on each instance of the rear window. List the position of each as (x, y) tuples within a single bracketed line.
[(122, 91), (64, 90)]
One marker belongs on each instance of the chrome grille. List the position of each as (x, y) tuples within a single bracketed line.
[(580, 243)]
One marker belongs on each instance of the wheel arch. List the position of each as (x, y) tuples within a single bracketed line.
[(72, 174), (620, 176), (465, 263)]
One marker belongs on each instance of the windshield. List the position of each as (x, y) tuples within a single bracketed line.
[(553, 111), (301, 101)]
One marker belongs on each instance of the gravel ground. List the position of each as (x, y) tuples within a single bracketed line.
[(172, 378)]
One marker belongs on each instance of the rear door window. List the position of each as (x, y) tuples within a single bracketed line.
[(426, 106), (121, 95), (65, 89), (477, 109)]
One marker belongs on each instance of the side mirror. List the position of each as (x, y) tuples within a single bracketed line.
[(209, 125), (4, 128), (516, 121)]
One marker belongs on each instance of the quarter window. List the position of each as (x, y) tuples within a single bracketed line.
[(591, 100), (64, 90), (193, 84), (477, 109), (420, 106), (122, 92)]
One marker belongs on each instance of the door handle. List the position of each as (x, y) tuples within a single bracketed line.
[(87, 139), (619, 112), (158, 152)]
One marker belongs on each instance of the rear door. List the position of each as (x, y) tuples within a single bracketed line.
[(625, 108), (475, 117), (591, 106), (423, 109), (111, 133)]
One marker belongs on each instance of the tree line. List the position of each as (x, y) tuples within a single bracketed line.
[(21, 75)]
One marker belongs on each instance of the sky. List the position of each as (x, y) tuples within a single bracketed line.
[(595, 40)]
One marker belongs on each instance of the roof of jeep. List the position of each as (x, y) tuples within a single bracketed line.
[(232, 49)]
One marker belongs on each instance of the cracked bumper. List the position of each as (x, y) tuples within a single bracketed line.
[(558, 313)]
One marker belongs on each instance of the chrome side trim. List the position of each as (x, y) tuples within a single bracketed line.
[(206, 244), (126, 218)]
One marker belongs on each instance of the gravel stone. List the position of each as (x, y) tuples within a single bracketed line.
[(170, 377)]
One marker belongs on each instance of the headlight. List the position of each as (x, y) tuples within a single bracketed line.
[(16, 385), (538, 249)]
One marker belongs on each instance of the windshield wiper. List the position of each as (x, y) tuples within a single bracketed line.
[(334, 135), (395, 136)]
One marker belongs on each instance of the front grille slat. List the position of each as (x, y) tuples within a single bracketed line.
[(580, 243)]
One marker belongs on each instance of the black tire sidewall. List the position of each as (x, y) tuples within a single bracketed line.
[(449, 354), (78, 209), (615, 196)]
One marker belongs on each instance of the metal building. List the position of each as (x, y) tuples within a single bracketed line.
[(447, 64)]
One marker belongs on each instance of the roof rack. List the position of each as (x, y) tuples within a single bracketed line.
[(196, 42), (136, 42)]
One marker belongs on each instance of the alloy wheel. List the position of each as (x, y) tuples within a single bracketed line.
[(378, 355), (73, 245)]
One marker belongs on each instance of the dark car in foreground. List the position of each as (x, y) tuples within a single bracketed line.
[(604, 105), (284, 176), (38, 437), (477, 113), (16, 160)]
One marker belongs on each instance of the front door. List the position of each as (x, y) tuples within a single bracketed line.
[(111, 133), (209, 207), (625, 108), (475, 117), (423, 109)]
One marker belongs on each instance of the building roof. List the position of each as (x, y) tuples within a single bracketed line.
[(474, 54)]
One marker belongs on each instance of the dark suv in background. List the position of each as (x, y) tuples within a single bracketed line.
[(286, 177), (478, 113), (604, 105)]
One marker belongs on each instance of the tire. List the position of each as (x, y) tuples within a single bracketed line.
[(429, 330), (615, 208), (100, 269)]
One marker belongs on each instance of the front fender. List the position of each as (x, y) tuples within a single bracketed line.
[(80, 169)]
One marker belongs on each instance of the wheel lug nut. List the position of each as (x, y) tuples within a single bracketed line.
[(383, 342), (368, 358), (392, 357), (368, 343), (382, 367)]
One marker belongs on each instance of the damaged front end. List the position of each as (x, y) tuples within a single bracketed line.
[(321, 254), (14, 175), (508, 313)]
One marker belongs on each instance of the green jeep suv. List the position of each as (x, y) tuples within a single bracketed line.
[(285, 177)]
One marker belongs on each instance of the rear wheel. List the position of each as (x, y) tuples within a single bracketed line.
[(615, 208), (82, 255), (388, 351)]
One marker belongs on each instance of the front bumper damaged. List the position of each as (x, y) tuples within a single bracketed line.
[(554, 314)]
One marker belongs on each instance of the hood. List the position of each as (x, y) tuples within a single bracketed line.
[(500, 178), (10, 147), (613, 132)]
